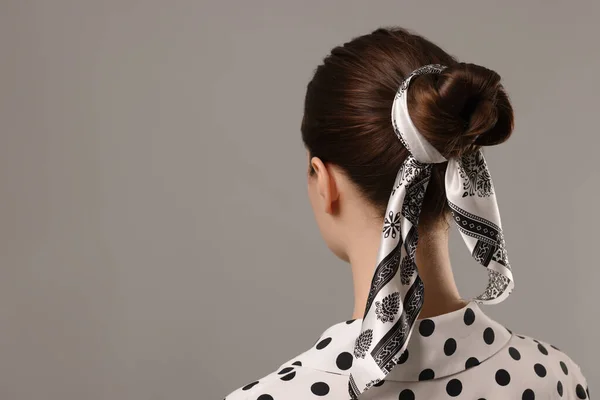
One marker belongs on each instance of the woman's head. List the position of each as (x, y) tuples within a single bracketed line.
[(354, 154)]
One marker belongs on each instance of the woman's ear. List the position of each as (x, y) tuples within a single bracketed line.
[(326, 184)]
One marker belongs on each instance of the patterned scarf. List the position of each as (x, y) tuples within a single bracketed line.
[(396, 295)]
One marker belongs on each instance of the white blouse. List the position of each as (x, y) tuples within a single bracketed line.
[(463, 354)]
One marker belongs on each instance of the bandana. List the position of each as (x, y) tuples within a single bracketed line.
[(396, 294)]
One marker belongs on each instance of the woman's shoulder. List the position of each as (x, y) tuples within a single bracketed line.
[(525, 365), (541, 359), (251, 389), (291, 381)]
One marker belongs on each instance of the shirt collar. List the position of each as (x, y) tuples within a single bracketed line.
[(438, 346)]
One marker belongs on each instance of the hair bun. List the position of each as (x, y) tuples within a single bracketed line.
[(463, 107)]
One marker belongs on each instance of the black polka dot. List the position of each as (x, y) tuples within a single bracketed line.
[(289, 376), (509, 331), (250, 385), (406, 394), (559, 388), (403, 357), (528, 395), (542, 349), (265, 397), (449, 347), (522, 337), (426, 374), (580, 392), (426, 327), (554, 347), (381, 382), (514, 353), (323, 343), (344, 361), (285, 370), (320, 388), (469, 316), (540, 370), (454, 387), (297, 363), (350, 321), (587, 390), (502, 377), (471, 362), (488, 335), (564, 368)]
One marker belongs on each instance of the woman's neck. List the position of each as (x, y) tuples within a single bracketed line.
[(433, 263)]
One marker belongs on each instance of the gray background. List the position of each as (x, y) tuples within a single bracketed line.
[(156, 241)]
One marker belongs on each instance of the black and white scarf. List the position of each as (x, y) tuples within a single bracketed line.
[(396, 295)]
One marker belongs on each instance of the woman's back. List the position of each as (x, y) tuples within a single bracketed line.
[(463, 354)]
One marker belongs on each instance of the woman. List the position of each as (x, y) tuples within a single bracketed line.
[(394, 129)]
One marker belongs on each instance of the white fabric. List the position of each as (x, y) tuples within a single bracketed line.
[(396, 294), (463, 355), (406, 131)]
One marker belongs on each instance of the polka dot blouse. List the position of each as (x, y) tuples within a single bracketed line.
[(463, 354)]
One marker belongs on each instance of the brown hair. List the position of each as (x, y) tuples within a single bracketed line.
[(347, 111)]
